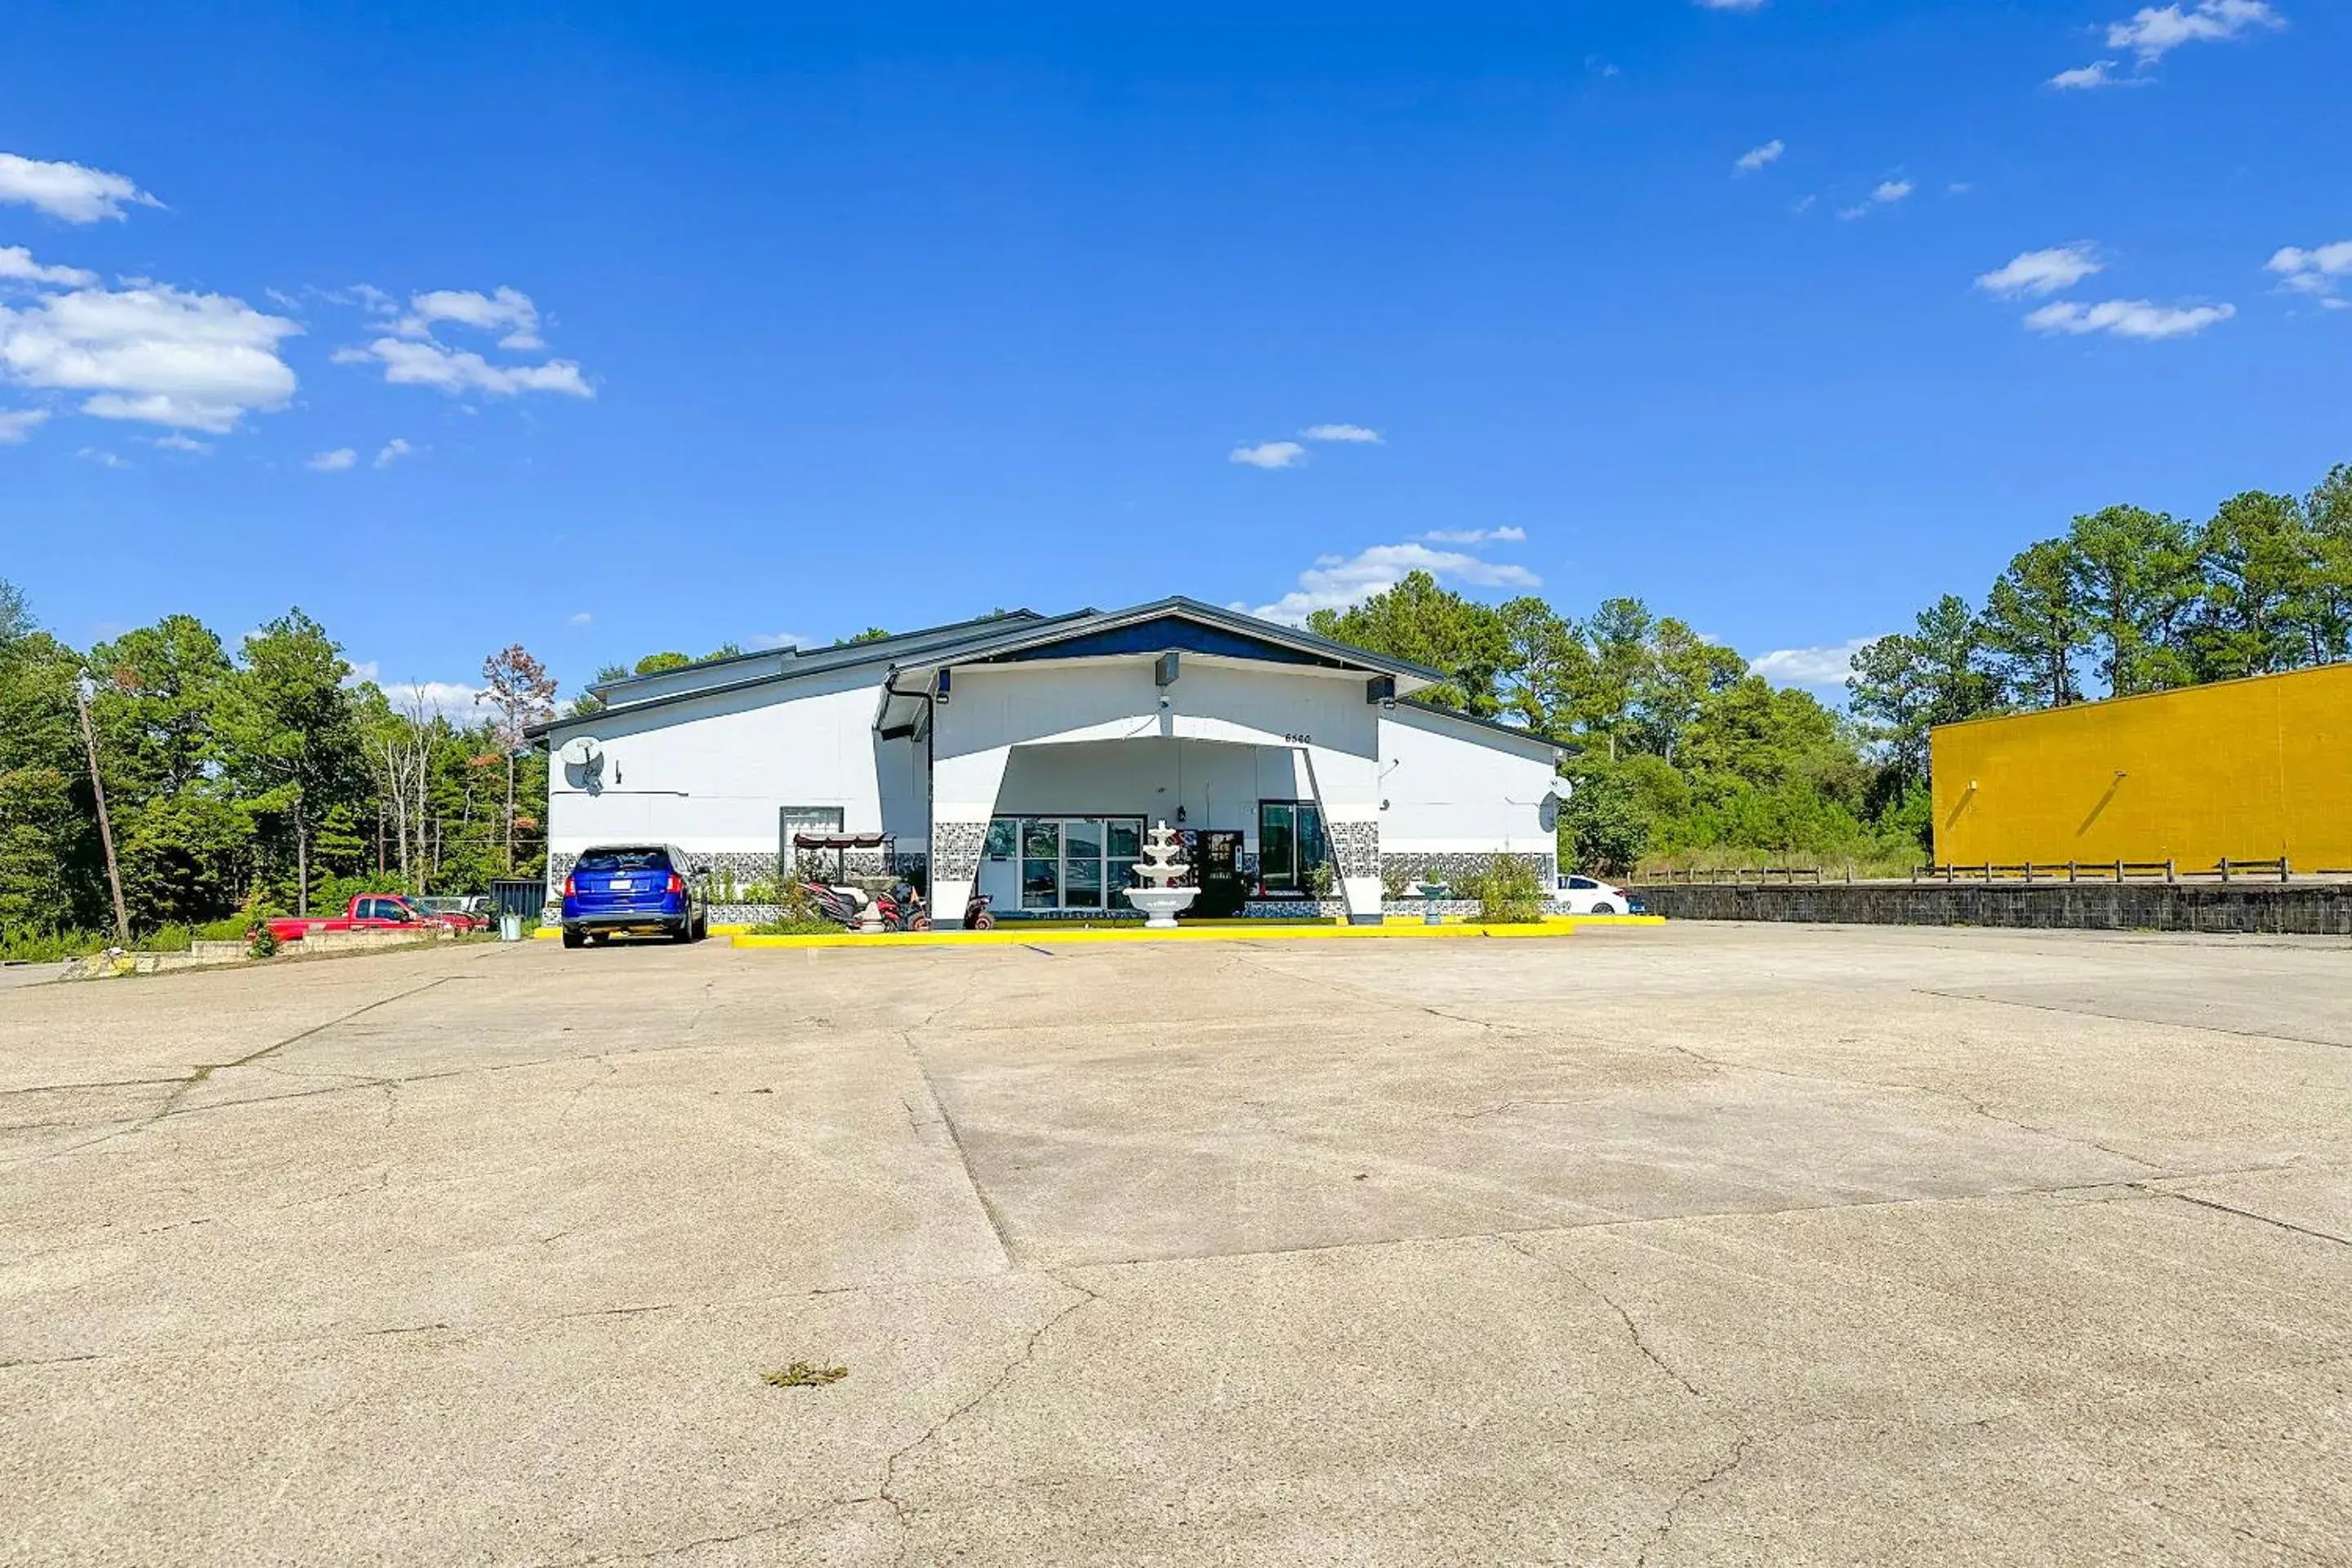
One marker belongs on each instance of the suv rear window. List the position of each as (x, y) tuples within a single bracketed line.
[(623, 861)]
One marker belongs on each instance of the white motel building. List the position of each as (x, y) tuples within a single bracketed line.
[(1024, 756)]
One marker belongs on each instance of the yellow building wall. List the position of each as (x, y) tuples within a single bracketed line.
[(2248, 769)]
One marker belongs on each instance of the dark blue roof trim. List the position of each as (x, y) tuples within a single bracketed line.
[(1337, 655), (1162, 633)]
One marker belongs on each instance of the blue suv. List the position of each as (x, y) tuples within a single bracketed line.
[(644, 889)]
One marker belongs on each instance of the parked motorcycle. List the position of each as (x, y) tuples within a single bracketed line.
[(915, 915), (853, 908)]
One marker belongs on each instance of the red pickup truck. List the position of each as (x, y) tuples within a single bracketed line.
[(369, 911)]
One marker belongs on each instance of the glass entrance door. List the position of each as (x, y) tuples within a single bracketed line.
[(1289, 843), (1040, 863), (1070, 862)]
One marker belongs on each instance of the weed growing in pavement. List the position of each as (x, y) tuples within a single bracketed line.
[(802, 1374)]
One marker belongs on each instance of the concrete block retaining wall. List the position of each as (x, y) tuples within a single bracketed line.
[(2311, 909)]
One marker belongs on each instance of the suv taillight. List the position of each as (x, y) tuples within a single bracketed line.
[(676, 883), (567, 887)]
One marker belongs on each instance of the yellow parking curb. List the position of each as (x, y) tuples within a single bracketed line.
[(550, 933), (1042, 934), (1049, 932)]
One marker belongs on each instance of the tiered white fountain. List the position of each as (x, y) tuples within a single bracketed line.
[(1160, 903)]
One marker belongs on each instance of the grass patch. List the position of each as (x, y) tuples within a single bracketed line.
[(22, 945), (796, 928), (803, 1374)]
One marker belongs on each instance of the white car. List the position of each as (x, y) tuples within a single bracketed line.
[(1590, 896)]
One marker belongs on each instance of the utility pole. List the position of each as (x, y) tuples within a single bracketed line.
[(105, 828)]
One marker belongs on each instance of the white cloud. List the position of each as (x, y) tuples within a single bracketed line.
[(1476, 535), (1810, 666), (451, 700), (2128, 318), (2090, 77), (1732, 5), (767, 640), (17, 266), (151, 351), (582, 619), (17, 423), (333, 462), (428, 363), (1270, 455), (2040, 272), (1359, 435), (2154, 32), (2317, 272), (175, 442), (394, 451), (1888, 194), (103, 458), (67, 191), (1756, 158), (1336, 582), (509, 309)]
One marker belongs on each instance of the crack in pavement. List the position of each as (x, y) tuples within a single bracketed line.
[(884, 1492), (1683, 1499), (656, 1553), (2220, 1207), (205, 1070), (955, 1139), (1877, 1086), (2130, 1018), (1633, 1329)]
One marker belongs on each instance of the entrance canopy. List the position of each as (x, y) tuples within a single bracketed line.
[(1168, 630)]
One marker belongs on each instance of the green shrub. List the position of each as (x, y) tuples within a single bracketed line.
[(231, 927), (165, 938), (810, 926), (264, 943), (1509, 893)]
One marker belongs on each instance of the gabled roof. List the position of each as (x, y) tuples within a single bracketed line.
[(1153, 629), (725, 667), (1015, 637), (740, 672), (1516, 732)]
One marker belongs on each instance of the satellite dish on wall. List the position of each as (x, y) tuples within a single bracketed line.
[(582, 751)]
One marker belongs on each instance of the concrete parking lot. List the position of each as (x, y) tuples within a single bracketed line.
[(1712, 1244)]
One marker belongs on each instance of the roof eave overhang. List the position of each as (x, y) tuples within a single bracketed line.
[(1410, 678)]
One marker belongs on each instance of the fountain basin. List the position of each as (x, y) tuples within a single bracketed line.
[(1161, 906)]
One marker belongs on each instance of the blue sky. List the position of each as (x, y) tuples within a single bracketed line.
[(1785, 317)]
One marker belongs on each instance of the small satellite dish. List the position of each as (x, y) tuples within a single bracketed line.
[(582, 751)]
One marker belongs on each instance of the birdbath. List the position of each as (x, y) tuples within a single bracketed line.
[(1430, 891), (1160, 903)]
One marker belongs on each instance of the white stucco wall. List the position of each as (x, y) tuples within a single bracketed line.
[(1086, 699), (711, 773), (1457, 788)]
